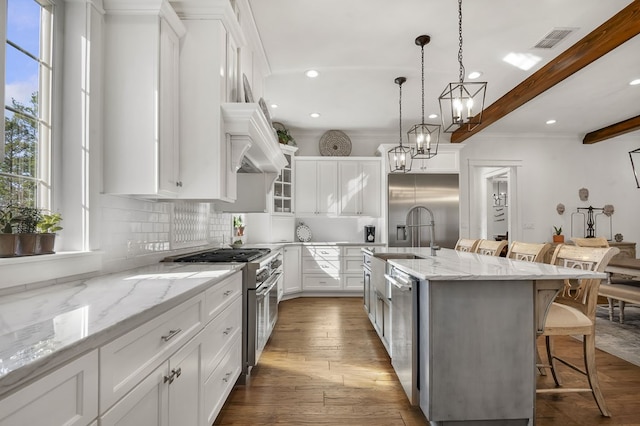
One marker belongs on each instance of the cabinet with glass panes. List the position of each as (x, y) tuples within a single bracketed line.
[(283, 185)]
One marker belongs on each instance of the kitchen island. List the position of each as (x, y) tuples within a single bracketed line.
[(472, 331)]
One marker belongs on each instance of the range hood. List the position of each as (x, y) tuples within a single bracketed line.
[(254, 146)]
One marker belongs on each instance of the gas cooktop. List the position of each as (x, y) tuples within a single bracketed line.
[(223, 255)]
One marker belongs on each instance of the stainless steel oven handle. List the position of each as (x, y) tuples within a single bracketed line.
[(271, 283), (397, 284)]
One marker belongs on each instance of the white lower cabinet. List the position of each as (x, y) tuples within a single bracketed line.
[(292, 282), (332, 268), (219, 384), (68, 396)]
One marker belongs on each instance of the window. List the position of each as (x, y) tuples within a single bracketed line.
[(25, 167)]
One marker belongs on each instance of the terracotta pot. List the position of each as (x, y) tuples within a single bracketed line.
[(26, 244), (8, 245), (45, 243), (558, 238)]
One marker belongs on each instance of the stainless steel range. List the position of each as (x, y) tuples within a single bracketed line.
[(260, 277)]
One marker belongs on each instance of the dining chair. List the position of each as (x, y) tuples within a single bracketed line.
[(529, 252), (573, 312), (490, 247), (467, 245)]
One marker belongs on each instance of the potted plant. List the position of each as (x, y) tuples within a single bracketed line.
[(8, 240), (557, 236), (47, 227), (26, 223), (284, 137), (238, 225)]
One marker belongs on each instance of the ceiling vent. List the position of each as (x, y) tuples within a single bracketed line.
[(554, 37)]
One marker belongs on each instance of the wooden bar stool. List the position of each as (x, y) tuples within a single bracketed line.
[(528, 252), (491, 248), (573, 312), (467, 245)]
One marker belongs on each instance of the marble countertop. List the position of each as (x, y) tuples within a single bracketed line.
[(43, 328), (450, 264)]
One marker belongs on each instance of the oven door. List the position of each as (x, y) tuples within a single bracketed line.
[(264, 296)]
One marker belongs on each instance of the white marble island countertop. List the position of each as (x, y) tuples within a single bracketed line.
[(450, 264), (43, 328)]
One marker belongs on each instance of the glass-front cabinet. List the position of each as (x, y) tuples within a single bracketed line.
[(283, 185)]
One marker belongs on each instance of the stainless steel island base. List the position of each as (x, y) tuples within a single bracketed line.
[(476, 352)]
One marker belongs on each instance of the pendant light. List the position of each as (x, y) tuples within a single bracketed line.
[(400, 157), (635, 154), (462, 103), (423, 138)]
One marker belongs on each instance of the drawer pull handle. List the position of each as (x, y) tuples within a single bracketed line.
[(171, 334), (174, 375), (228, 292), (226, 377), (177, 372), (227, 330)]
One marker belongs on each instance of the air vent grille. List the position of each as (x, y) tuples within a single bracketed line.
[(554, 37)]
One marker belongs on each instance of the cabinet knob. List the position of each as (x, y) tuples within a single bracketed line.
[(226, 377)]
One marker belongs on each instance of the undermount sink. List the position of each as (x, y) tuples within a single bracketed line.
[(387, 256)]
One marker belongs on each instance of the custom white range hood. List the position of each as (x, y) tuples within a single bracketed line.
[(254, 145)]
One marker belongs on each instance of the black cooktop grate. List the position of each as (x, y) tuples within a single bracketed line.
[(225, 255)]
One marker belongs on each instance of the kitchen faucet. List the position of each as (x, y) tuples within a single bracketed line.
[(431, 226)]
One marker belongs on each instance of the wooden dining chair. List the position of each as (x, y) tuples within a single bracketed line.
[(467, 245), (573, 312), (490, 247), (529, 252)]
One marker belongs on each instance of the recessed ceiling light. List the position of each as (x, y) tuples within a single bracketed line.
[(635, 82), (311, 73), (551, 121), (524, 61), (433, 115), (473, 75), (274, 106), (314, 115)]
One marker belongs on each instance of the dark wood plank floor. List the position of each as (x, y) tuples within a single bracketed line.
[(324, 365)]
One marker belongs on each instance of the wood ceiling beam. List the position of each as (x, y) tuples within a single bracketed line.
[(620, 28), (626, 126)]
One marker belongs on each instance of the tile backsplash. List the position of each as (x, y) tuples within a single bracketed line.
[(138, 232)]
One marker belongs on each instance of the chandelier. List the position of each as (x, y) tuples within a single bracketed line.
[(636, 173), (461, 103), (423, 138), (400, 157)]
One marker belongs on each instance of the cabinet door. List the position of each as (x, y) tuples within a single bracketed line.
[(292, 275), (68, 396), (327, 178), (350, 188), (306, 192), (185, 385), (370, 192), (168, 179), (146, 404)]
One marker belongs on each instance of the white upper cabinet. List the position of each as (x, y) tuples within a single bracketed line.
[(316, 187), (141, 77), (360, 189)]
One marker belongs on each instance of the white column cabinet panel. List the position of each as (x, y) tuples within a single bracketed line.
[(292, 270), (140, 106)]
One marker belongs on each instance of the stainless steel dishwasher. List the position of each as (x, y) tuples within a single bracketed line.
[(404, 330)]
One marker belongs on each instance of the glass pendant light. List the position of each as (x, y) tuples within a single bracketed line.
[(423, 138), (400, 157), (462, 103)]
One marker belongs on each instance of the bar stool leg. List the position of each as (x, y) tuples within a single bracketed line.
[(589, 348), (552, 362)]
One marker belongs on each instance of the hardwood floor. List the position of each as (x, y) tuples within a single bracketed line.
[(324, 365)]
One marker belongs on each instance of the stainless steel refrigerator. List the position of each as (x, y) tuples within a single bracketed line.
[(437, 192)]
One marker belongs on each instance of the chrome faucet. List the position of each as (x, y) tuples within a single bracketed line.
[(431, 226)]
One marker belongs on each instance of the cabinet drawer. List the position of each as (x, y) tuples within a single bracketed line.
[(321, 251), (352, 251), (68, 396), (352, 265), (128, 359), (218, 334), (320, 266), (315, 282), (221, 295), (353, 282), (218, 386)]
